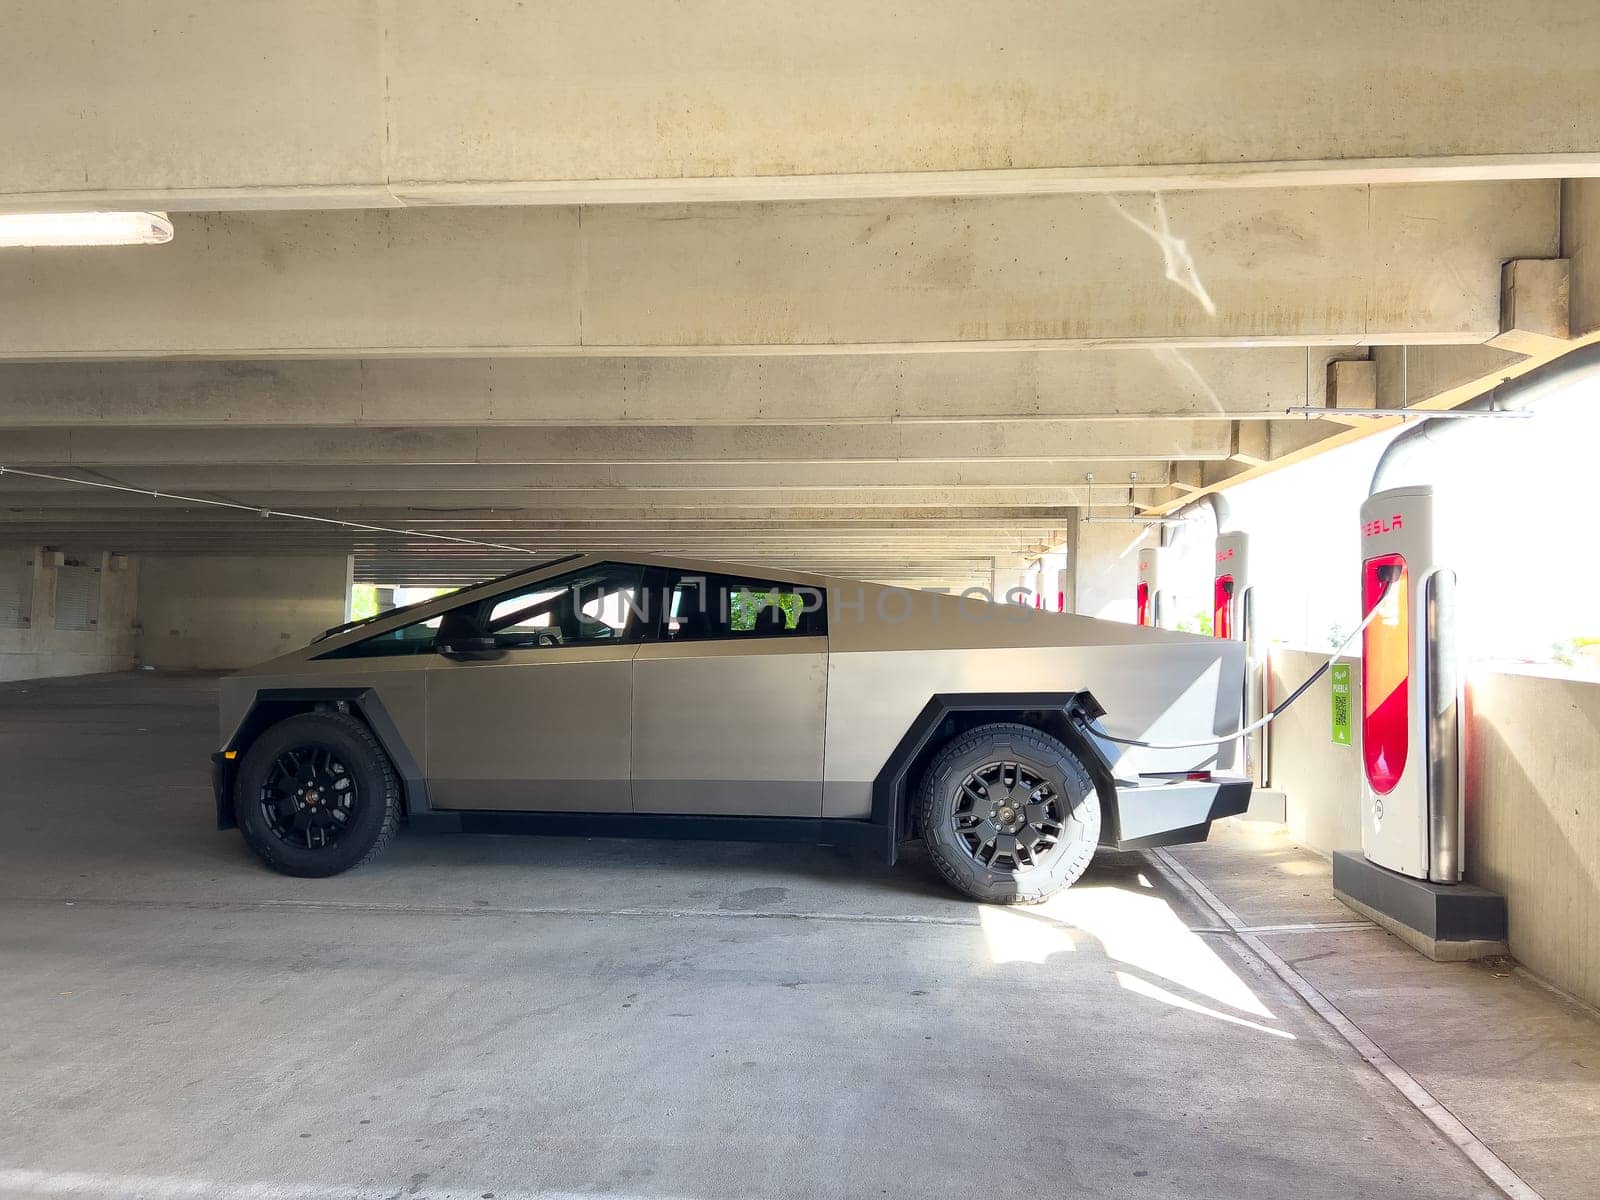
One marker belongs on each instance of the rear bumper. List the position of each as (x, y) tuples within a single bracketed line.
[(1171, 812)]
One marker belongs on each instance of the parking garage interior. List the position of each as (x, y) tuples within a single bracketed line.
[(975, 299)]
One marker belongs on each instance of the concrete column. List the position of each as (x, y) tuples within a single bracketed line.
[(1580, 243), (44, 592), (19, 569), (119, 607), (1059, 596), (349, 584), (1102, 561), (1049, 581)]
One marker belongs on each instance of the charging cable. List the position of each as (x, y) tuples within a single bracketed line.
[(1391, 573)]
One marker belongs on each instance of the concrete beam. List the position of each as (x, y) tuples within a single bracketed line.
[(1418, 377), (1351, 384), (1154, 381), (382, 102), (1535, 305), (1035, 441), (1263, 444), (1251, 442), (159, 543), (1440, 376), (1186, 266), (1419, 263), (881, 535), (1396, 378), (1038, 518), (603, 498), (355, 482), (1186, 477), (278, 537), (886, 534)]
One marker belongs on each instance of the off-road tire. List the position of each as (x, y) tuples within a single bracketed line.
[(377, 812), (939, 796)]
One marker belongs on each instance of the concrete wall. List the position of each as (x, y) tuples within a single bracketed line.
[(1533, 829), (224, 613), (1320, 779), (39, 649)]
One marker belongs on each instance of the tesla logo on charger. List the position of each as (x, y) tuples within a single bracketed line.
[(1382, 525), (1225, 555)]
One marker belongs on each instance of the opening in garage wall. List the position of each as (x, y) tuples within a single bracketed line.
[(66, 611)]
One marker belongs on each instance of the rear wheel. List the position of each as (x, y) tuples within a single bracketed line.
[(316, 795), (1009, 814)]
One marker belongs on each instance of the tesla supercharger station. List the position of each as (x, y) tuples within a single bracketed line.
[(1233, 615), (1412, 812), (1230, 586), (1151, 599)]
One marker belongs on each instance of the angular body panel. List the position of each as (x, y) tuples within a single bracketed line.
[(717, 729), (545, 729), (890, 650), (401, 683)]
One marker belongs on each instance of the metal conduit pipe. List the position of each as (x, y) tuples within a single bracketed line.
[(1526, 390), (1219, 507)]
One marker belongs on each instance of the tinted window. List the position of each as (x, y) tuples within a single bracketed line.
[(724, 606), (599, 604), (419, 637)]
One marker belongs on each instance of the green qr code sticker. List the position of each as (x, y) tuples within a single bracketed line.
[(1340, 677)]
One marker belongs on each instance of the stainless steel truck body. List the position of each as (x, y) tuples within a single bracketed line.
[(655, 696)]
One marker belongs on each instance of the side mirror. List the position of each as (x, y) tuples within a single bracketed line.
[(471, 649)]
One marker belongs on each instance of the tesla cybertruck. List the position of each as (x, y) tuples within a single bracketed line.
[(600, 695)]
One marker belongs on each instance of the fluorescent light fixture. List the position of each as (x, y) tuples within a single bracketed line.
[(85, 229)]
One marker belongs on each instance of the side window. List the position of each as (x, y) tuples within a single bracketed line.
[(701, 607), (419, 637), (603, 603)]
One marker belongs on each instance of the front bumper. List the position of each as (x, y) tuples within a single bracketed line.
[(1162, 812), (223, 769)]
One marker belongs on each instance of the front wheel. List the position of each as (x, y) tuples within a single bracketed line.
[(316, 795), (1009, 814)]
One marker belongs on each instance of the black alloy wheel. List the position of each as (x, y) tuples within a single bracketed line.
[(309, 797), (316, 794), (1009, 814)]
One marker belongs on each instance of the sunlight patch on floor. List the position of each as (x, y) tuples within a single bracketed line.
[(1016, 935), (1136, 928), (1143, 987)]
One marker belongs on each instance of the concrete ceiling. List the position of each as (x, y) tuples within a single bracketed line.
[(855, 291)]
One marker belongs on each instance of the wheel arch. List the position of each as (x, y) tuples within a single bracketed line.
[(948, 715), (272, 705)]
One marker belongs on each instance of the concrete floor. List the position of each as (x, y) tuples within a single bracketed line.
[(476, 1017), (1517, 1063)]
